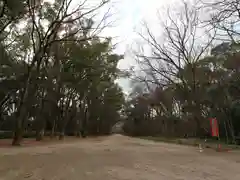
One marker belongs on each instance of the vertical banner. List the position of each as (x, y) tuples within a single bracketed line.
[(214, 127)]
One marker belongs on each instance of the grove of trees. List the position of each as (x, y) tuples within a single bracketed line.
[(189, 73), (57, 74)]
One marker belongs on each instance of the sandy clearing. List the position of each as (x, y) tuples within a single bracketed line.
[(117, 158)]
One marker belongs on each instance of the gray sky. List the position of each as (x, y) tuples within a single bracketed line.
[(130, 15)]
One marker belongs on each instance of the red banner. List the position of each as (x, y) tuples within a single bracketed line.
[(214, 127)]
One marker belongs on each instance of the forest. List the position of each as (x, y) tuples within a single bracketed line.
[(58, 73), (190, 74)]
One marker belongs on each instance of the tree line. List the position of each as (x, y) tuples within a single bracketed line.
[(188, 74), (57, 74)]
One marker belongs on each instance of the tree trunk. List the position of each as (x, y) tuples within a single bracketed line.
[(41, 131), (17, 137), (19, 126), (41, 121), (83, 127), (53, 129), (230, 126), (231, 131), (226, 131), (61, 135), (77, 129), (22, 109), (64, 122), (40, 135), (62, 132)]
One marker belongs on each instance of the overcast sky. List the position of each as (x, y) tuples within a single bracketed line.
[(130, 15)]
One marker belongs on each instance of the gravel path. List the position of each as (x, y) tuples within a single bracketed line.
[(117, 158)]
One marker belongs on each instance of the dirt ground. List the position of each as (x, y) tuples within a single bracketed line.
[(117, 158)]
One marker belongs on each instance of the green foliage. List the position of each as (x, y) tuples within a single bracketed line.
[(55, 75)]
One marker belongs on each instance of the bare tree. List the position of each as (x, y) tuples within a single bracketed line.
[(225, 18), (183, 44)]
